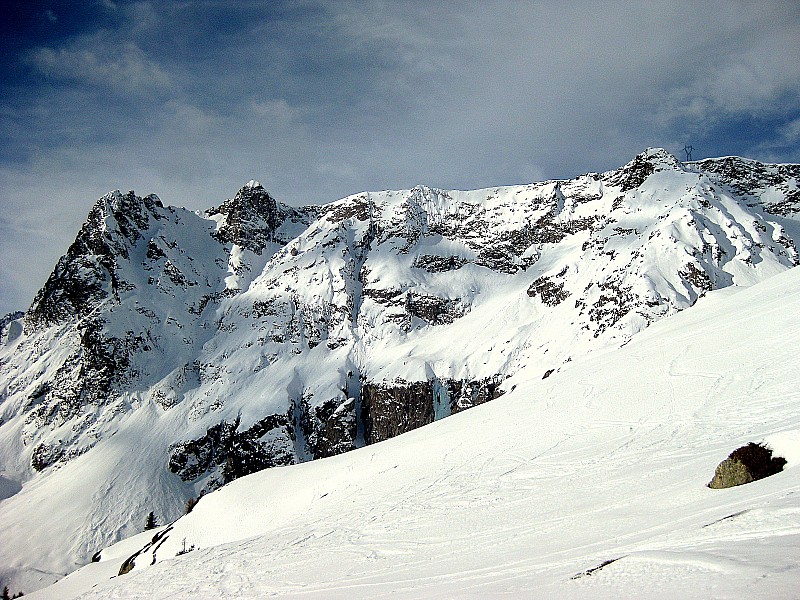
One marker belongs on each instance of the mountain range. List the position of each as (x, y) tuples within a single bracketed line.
[(173, 352)]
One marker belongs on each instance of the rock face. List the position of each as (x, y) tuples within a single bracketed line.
[(226, 453), (550, 290), (212, 345), (390, 409), (746, 464), (730, 473), (253, 218), (11, 327)]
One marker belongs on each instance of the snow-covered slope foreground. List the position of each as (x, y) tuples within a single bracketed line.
[(532, 495), (171, 352)]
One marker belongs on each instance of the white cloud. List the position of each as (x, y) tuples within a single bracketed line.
[(751, 76), (120, 66), (277, 112), (791, 132), (319, 100)]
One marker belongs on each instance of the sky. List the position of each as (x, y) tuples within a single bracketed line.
[(319, 100)]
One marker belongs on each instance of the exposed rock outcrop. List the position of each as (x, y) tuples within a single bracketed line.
[(331, 428), (746, 464), (251, 218), (225, 453), (11, 326), (392, 408), (550, 290), (439, 264)]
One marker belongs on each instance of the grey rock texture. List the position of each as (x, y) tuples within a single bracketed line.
[(746, 464), (730, 473)]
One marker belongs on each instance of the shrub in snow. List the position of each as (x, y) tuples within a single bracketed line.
[(150, 522), (745, 464), (6, 595), (190, 504)]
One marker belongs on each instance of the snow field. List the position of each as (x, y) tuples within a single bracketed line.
[(229, 335), (525, 496)]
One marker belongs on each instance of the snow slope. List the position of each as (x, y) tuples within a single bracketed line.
[(172, 352), (533, 494)]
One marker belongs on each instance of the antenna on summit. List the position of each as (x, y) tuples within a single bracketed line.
[(688, 150)]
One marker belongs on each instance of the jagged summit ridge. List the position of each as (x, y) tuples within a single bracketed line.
[(249, 219), (633, 174), (88, 271), (258, 334)]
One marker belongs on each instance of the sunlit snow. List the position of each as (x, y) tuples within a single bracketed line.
[(530, 495), (605, 459)]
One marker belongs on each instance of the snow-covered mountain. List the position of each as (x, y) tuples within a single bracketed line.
[(171, 352), (589, 484)]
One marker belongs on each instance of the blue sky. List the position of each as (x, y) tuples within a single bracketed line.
[(319, 99)]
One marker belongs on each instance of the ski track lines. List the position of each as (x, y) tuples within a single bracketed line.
[(516, 497)]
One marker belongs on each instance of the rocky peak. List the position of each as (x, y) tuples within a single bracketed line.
[(747, 174), (81, 277), (641, 167), (658, 156), (128, 214), (750, 178), (735, 168), (9, 328), (250, 218)]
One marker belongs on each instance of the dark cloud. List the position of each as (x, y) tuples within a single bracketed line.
[(322, 99)]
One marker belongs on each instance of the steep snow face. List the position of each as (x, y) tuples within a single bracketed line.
[(172, 352), (127, 310), (590, 484), (114, 334), (428, 285)]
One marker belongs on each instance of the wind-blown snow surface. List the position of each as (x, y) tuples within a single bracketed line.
[(528, 495)]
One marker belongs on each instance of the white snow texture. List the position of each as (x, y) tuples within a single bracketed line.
[(586, 478)]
